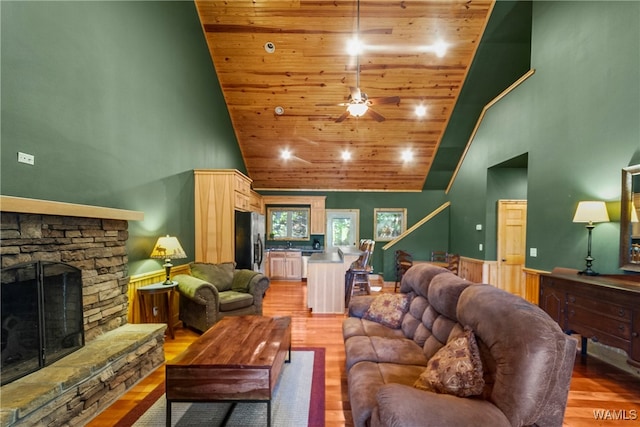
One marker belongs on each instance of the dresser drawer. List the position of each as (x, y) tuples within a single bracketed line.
[(603, 308), (579, 317)]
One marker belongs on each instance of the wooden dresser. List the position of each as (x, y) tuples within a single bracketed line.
[(605, 309)]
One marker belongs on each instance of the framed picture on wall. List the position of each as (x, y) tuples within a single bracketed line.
[(389, 223)]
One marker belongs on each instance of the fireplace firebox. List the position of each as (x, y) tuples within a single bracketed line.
[(42, 316)]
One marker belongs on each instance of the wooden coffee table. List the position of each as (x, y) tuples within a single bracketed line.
[(239, 359)]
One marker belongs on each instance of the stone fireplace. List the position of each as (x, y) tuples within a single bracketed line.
[(116, 355)]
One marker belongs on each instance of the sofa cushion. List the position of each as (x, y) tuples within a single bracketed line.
[(400, 351), (455, 369), (352, 326), (219, 275), (231, 300), (388, 309)]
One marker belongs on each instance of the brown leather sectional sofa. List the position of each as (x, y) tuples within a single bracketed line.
[(526, 359)]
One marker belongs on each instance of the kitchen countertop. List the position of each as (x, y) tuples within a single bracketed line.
[(331, 257), (326, 257), (295, 249)]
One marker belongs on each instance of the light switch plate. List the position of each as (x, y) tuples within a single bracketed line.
[(28, 159)]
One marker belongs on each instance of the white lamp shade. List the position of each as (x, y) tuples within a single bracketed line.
[(591, 212), (168, 247), (357, 110)]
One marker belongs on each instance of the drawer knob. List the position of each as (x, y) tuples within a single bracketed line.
[(572, 299), (621, 327), (634, 334), (594, 338), (621, 312)]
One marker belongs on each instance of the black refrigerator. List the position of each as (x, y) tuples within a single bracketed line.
[(249, 235)]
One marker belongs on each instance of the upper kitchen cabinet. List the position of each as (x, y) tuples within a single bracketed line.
[(317, 204), (218, 194)]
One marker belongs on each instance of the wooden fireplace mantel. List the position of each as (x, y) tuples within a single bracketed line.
[(48, 207)]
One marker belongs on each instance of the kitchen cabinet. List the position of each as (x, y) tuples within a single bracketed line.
[(285, 265), (218, 193), (318, 215), (316, 203)]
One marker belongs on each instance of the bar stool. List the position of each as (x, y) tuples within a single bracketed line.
[(357, 277)]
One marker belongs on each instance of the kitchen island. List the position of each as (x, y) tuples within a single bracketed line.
[(325, 280)]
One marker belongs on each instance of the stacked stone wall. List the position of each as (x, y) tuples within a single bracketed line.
[(95, 246)]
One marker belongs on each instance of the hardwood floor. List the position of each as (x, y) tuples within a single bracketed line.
[(595, 386)]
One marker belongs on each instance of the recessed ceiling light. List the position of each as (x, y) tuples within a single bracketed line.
[(279, 110), (346, 155), (440, 48), (354, 46), (407, 155), (285, 154), (421, 111), (269, 47)]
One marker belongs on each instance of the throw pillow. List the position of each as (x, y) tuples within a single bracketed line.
[(219, 275), (455, 369), (388, 309)]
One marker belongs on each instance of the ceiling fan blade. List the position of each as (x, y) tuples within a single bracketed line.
[(342, 117), (385, 100), (376, 116)]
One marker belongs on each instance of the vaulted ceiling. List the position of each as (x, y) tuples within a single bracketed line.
[(284, 70)]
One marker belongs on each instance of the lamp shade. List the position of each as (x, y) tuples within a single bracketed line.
[(634, 213), (357, 109), (591, 212), (168, 247)]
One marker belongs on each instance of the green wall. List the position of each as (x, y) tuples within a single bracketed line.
[(578, 120), (118, 101)]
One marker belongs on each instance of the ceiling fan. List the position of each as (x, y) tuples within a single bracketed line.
[(358, 103)]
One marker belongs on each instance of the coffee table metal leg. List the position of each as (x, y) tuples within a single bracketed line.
[(168, 416), (269, 413)]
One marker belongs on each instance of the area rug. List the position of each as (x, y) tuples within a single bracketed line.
[(298, 401)]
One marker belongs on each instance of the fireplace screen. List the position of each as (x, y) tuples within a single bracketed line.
[(42, 316)]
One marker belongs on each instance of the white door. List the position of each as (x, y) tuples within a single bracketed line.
[(343, 227)]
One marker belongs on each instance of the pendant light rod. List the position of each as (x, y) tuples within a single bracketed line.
[(358, 44)]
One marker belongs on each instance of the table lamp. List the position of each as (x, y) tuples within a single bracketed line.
[(590, 212), (168, 248)]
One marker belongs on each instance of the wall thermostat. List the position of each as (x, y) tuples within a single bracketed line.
[(270, 47)]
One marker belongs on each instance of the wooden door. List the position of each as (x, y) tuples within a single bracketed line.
[(512, 235)]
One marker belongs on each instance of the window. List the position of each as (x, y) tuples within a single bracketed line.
[(288, 223)]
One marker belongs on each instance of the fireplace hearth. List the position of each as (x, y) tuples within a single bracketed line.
[(41, 306)]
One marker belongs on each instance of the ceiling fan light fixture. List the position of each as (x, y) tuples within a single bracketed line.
[(357, 109)]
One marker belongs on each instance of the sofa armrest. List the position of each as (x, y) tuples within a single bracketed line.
[(402, 405), (359, 305), (197, 290), (258, 285)]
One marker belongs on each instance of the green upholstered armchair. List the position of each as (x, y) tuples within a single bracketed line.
[(213, 291)]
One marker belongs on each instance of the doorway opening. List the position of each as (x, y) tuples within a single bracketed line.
[(507, 212)]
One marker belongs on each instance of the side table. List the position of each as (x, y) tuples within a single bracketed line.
[(168, 291)]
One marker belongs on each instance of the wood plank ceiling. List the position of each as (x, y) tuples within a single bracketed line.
[(310, 72)]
